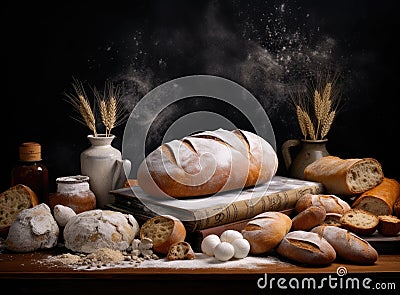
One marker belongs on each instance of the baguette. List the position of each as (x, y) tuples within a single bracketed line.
[(347, 245), (12, 201), (266, 230), (346, 177), (331, 203), (306, 247), (207, 163), (163, 230), (379, 200)]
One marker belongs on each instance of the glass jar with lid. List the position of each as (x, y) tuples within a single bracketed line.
[(73, 192)]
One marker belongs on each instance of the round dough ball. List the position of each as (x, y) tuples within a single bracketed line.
[(209, 243), (224, 251), (230, 235), (91, 230), (62, 214), (242, 248)]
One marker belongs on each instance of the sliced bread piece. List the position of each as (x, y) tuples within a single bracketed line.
[(12, 201), (346, 177), (180, 251), (360, 221), (163, 230)]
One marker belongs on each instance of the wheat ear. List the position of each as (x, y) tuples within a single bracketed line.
[(301, 121), (309, 125), (81, 104), (326, 126)]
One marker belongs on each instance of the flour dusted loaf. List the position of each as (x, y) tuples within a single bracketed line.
[(163, 230), (206, 163), (34, 228), (379, 200), (12, 201), (306, 247), (91, 230), (347, 177), (347, 245), (266, 230)]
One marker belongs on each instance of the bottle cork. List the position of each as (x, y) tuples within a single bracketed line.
[(30, 152)]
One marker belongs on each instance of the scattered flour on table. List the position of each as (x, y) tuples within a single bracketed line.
[(107, 258)]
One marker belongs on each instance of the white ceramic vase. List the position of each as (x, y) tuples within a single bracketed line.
[(105, 167)]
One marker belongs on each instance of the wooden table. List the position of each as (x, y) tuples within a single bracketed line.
[(24, 275)]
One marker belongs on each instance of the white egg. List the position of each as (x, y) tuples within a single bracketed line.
[(230, 235), (241, 247), (224, 251), (208, 244)]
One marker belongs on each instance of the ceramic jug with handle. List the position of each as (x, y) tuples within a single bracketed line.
[(308, 151), (105, 167)]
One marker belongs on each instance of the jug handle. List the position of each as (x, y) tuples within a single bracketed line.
[(121, 172), (287, 157)]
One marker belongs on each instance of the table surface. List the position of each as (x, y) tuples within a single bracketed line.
[(24, 273)]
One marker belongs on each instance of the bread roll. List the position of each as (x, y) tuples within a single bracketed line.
[(360, 222), (331, 203), (163, 230), (389, 225), (180, 251), (34, 229), (266, 230), (347, 245), (91, 230), (380, 199), (309, 218), (345, 177), (207, 163), (306, 247), (12, 201)]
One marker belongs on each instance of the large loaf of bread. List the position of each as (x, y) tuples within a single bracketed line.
[(206, 163), (379, 200), (345, 177), (347, 245)]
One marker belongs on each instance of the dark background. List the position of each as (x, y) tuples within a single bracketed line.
[(266, 46)]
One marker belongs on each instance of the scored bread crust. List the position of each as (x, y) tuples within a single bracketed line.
[(347, 245), (379, 200), (345, 177), (266, 230), (360, 221), (331, 203), (12, 201), (306, 247), (207, 163), (163, 230)]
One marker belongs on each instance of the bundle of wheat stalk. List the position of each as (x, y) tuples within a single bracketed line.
[(109, 104), (315, 117)]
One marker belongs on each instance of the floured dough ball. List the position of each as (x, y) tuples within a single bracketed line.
[(94, 229), (62, 214), (33, 229)]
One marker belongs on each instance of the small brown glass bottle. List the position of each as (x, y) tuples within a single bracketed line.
[(30, 170)]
